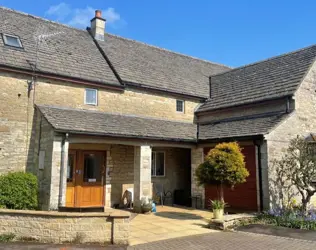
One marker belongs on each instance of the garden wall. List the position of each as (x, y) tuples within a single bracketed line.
[(111, 226)]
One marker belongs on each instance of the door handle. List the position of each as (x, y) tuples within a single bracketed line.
[(78, 171)]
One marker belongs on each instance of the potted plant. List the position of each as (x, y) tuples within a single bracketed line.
[(218, 209), (224, 165), (146, 205)]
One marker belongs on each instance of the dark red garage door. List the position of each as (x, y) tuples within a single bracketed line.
[(244, 196)]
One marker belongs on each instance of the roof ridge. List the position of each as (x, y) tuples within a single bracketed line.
[(41, 18), (110, 113), (265, 60), (167, 50)]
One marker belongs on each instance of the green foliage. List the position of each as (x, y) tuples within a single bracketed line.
[(6, 237), (18, 191), (224, 164), (217, 204), (287, 220)]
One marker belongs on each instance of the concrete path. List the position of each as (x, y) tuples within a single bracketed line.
[(167, 223)]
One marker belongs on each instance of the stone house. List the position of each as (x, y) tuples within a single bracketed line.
[(93, 114)]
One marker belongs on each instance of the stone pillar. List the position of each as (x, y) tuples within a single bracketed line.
[(63, 172), (142, 175), (58, 183), (197, 157)]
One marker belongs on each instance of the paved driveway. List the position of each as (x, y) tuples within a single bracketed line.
[(229, 241), (168, 223)]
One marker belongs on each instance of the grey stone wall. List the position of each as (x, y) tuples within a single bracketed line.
[(197, 157), (57, 227), (301, 122)]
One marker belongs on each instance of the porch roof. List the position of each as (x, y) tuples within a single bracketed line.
[(241, 126), (89, 122)]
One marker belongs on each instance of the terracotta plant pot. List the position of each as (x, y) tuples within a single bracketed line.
[(218, 214)]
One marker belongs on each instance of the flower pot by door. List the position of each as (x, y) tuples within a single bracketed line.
[(218, 214)]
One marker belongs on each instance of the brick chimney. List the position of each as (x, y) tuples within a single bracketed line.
[(98, 26)]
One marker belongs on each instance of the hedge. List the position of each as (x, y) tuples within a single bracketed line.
[(19, 190)]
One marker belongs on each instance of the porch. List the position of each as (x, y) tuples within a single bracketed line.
[(88, 159)]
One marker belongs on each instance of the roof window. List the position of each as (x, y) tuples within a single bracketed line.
[(13, 41)]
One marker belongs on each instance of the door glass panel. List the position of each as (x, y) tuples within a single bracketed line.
[(92, 167), (70, 167)]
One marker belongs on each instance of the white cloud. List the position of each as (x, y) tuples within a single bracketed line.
[(59, 11), (81, 17)]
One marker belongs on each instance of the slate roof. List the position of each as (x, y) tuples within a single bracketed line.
[(71, 52), (158, 68), (241, 127), (63, 50), (117, 125), (273, 78)]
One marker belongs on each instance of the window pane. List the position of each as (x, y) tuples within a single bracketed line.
[(91, 96), (12, 41), (92, 168), (180, 105), (160, 161), (70, 167)]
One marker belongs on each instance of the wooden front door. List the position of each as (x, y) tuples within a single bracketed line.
[(85, 178)]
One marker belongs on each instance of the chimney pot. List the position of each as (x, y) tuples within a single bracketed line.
[(98, 26), (98, 13)]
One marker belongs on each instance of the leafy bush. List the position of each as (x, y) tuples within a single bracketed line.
[(217, 204), (18, 191), (223, 165)]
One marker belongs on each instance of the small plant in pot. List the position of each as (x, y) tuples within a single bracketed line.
[(146, 205), (218, 208)]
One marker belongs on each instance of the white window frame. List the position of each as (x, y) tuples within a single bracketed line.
[(182, 106), (153, 164), (96, 97), (5, 41)]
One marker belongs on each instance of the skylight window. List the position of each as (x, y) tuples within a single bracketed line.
[(13, 41)]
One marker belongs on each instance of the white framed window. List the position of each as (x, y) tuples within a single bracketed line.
[(91, 96), (158, 163), (13, 41), (180, 106)]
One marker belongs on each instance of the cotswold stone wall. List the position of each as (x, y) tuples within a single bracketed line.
[(58, 227), (301, 122), (17, 108)]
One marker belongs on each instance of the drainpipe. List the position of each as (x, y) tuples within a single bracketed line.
[(63, 168), (260, 174)]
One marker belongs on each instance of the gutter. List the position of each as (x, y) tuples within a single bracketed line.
[(159, 90), (258, 145), (60, 77)]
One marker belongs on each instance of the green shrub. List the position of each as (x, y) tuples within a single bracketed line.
[(18, 191), (223, 165), (6, 237)]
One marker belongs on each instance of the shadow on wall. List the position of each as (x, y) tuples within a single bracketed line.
[(281, 192)]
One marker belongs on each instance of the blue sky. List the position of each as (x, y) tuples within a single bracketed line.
[(231, 32)]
